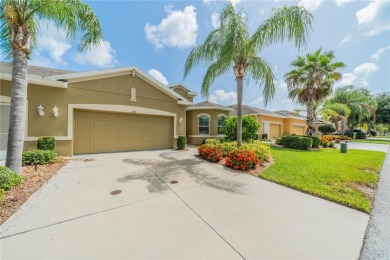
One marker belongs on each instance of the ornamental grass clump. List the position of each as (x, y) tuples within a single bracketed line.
[(210, 153), (242, 159)]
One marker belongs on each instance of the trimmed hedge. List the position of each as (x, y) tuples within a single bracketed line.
[(373, 133), (262, 151), (316, 141), (211, 141), (181, 142), (46, 143), (361, 135), (297, 142), (38, 157), (8, 178)]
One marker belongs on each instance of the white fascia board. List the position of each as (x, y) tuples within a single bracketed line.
[(37, 80)]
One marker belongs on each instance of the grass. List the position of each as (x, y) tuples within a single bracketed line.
[(370, 141), (345, 178)]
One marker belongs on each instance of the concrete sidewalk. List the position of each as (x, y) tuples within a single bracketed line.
[(211, 212), (377, 240)]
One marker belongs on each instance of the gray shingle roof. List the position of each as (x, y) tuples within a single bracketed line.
[(6, 67), (248, 110), (207, 104)]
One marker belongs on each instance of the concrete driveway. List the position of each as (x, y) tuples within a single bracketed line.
[(211, 212)]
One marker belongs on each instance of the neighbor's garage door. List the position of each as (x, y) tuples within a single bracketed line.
[(298, 130), (274, 131), (96, 132)]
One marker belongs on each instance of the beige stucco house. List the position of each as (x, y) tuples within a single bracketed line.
[(118, 109)]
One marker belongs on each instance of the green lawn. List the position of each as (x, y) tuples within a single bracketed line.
[(370, 141), (328, 174)]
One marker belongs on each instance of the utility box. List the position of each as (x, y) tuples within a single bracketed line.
[(343, 147)]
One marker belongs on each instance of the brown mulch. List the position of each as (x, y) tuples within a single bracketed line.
[(32, 181), (254, 172)]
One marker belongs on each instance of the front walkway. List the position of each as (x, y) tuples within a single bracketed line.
[(211, 212)]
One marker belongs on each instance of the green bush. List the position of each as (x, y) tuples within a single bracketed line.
[(262, 151), (38, 157), (8, 178), (361, 135), (279, 141), (211, 141), (1, 196), (249, 128), (297, 142), (373, 133), (325, 144), (332, 144), (327, 128), (227, 147), (264, 136), (316, 141), (46, 143), (181, 142)]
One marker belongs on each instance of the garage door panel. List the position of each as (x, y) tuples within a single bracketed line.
[(109, 132)]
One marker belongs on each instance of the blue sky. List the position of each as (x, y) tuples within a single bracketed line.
[(157, 36)]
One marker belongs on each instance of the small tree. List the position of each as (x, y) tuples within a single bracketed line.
[(327, 128), (249, 128)]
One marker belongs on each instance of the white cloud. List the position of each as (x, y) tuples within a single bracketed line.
[(158, 76), (215, 20), (275, 69), (257, 101), (346, 39), (375, 17), (179, 29), (53, 42), (310, 5), (360, 75), (286, 101), (235, 2), (101, 56), (208, 2), (280, 84), (342, 2), (220, 96), (378, 54), (263, 12)]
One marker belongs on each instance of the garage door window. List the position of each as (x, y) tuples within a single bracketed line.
[(204, 125)]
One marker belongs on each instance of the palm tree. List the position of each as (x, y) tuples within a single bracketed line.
[(231, 47), (19, 27), (312, 80), (335, 112), (360, 102)]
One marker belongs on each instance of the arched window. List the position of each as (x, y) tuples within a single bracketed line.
[(221, 120), (204, 124)]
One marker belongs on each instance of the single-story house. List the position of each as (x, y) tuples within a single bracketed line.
[(110, 110)]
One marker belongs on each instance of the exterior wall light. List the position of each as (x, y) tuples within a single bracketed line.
[(55, 111), (180, 120), (40, 110)]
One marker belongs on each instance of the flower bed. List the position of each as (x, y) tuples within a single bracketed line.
[(210, 152), (330, 138), (242, 159)]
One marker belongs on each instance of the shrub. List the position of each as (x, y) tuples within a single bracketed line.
[(1, 196), (348, 134), (249, 128), (297, 142), (264, 136), (327, 128), (316, 141), (181, 142), (38, 157), (46, 143), (337, 141), (209, 152), (361, 135), (373, 133), (227, 147), (262, 151), (212, 141), (331, 144), (241, 159), (325, 144), (8, 178), (279, 141)]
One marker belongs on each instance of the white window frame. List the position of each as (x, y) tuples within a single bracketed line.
[(218, 127), (206, 115)]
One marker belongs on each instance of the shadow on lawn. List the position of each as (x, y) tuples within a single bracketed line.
[(171, 167)]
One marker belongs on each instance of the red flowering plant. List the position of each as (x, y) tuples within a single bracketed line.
[(210, 152), (242, 159), (329, 138)]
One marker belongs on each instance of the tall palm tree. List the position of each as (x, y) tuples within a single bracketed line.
[(360, 102), (231, 47), (311, 80), (19, 27)]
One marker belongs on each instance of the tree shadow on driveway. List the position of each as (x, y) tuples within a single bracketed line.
[(186, 168)]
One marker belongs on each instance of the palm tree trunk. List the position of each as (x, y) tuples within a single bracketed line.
[(240, 83), (311, 130), (17, 120)]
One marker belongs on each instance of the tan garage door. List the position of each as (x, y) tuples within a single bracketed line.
[(96, 132), (274, 131), (298, 130)]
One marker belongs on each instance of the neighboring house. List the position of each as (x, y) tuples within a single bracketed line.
[(275, 124), (120, 109)]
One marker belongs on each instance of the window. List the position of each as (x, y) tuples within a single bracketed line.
[(221, 120), (204, 125)]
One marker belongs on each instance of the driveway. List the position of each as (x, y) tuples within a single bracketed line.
[(211, 212)]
